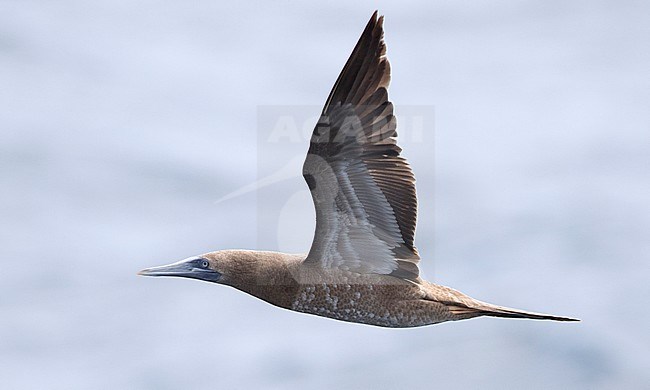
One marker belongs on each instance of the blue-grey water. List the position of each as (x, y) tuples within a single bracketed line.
[(124, 124)]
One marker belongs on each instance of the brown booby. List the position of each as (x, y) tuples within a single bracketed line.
[(362, 266)]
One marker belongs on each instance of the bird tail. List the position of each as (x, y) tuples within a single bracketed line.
[(487, 309)]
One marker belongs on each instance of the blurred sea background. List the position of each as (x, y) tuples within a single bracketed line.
[(123, 125)]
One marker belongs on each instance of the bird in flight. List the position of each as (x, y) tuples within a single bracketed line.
[(363, 265)]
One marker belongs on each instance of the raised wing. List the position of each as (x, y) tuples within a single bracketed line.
[(363, 191)]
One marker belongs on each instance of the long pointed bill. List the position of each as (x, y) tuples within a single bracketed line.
[(194, 267)]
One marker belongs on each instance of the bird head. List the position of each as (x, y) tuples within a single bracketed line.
[(205, 267)]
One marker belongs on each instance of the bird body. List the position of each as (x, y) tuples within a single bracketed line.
[(286, 281), (363, 266)]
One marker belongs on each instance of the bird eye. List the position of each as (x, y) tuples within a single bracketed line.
[(204, 264)]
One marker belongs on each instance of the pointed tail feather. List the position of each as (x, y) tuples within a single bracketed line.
[(512, 313), (486, 309)]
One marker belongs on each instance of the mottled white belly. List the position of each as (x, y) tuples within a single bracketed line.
[(367, 304)]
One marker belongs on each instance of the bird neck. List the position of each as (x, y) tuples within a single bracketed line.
[(266, 275)]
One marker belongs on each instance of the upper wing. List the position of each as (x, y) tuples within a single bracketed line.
[(363, 191)]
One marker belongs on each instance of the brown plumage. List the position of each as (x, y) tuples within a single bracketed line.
[(363, 265)]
